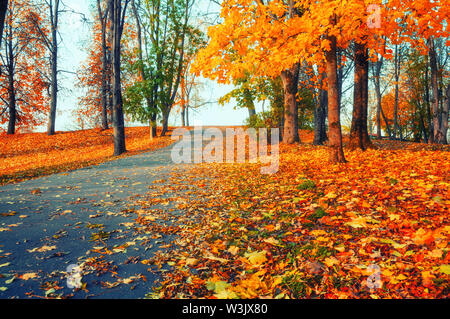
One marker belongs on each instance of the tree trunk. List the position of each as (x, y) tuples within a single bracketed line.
[(427, 104), (54, 15), (118, 118), (165, 121), (104, 87), (290, 86), (251, 111), (320, 113), (359, 135), (11, 90), (445, 110), (12, 105), (183, 116), (334, 123), (397, 64), (53, 91), (3, 9), (438, 136), (422, 127), (141, 68)]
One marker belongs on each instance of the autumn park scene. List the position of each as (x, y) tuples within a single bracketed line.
[(224, 149)]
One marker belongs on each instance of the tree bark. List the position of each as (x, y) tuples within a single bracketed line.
[(397, 64), (290, 86), (320, 114), (359, 135), (438, 136), (103, 16), (251, 111), (12, 100), (183, 116), (3, 9), (334, 123), (11, 89), (165, 121), (118, 118), (54, 17), (445, 111)]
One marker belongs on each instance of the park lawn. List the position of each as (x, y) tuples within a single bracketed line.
[(29, 155), (375, 227)]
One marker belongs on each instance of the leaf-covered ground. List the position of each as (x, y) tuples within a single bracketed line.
[(144, 227), (377, 227), (24, 156)]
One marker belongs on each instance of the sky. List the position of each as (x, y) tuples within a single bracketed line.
[(75, 35)]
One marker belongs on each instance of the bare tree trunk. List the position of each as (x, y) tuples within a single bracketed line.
[(11, 89), (54, 17), (359, 136), (290, 86), (103, 16), (334, 123), (12, 103), (3, 9), (118, 119)]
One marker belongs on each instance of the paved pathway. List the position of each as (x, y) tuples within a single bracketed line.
[(46, 224)]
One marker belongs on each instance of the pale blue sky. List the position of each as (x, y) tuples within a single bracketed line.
[(76, 36)]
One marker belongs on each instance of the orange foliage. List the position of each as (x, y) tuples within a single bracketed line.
[(90, 74), (23, 62), (313, 230), (266, 37)]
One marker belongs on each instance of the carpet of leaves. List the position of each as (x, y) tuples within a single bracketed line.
[(24, 156), (376, 227)]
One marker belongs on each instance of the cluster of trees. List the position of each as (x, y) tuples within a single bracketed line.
[(158, 46), (29, 70), (296, 54), (314, 45), (138, 64)]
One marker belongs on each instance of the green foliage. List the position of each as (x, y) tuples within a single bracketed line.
[(169, 42), (306, 185)]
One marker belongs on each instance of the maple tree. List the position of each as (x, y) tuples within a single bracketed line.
[(23, 84)]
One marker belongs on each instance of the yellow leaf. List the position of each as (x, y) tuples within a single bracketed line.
[(256, 258), (331, 261), (28, 276)]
